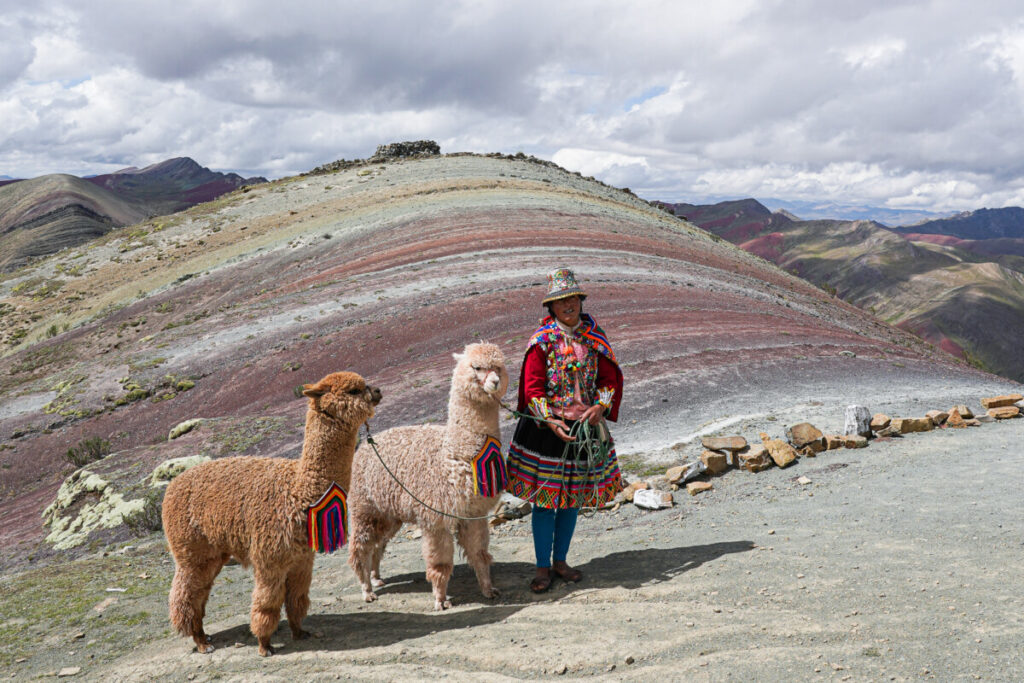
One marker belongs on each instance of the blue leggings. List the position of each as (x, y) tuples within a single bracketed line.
[(552, 529)]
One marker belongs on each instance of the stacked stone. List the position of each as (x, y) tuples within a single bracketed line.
[(407, 149)]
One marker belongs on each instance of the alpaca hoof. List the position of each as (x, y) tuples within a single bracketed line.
[(377, 582), (205, 648), (369, 596), (439, 606), (266, 650), (491, 593)]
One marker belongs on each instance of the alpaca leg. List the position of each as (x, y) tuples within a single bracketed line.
[(439, 553), (474, 537), (296, 594), (190, 590), (378, 552), (360, 552), (267, 597)]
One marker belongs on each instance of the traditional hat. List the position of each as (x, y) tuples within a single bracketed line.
[(561, 285)]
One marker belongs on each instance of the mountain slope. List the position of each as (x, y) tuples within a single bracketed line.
[(46, 214), (983, 224), (49, 213), (386, 267), (172, 185), (966, 302)]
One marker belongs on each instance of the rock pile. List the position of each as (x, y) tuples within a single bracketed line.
[(803, 440), (722, 453), (407, 149)]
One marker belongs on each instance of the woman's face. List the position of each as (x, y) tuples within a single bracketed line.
[(567, 310)]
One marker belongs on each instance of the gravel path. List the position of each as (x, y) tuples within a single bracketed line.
[(894, 563)]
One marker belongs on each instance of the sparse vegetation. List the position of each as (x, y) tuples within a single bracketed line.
[(187, 320), (148, 519), (40, 357), (147, 364), (87, 450), (246, 434)]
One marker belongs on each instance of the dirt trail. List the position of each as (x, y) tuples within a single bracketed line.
[(893, 563)]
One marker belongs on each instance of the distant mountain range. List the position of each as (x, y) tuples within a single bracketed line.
[(43, 215), (848, 212), (957, 282)]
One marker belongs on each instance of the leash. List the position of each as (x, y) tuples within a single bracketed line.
[(581, 431), (373, 445), (594, 449)]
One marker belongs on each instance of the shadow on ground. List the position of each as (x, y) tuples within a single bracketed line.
[(627, 569)]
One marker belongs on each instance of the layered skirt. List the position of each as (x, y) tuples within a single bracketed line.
[(542, 471)]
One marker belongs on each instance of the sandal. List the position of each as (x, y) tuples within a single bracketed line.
[(541, 584), (569, 574)]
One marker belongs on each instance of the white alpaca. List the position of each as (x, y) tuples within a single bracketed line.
[(437, 465)]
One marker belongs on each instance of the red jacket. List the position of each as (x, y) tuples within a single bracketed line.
[(533, 379)]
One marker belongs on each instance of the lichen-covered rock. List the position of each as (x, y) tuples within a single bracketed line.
[(858, 421), (110, 510), (169, 469), (183, 428)]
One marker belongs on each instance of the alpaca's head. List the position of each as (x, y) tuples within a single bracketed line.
[(344, 396), (480, 372)]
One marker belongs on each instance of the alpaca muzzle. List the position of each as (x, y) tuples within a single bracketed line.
[(492, 383), (374, 393)]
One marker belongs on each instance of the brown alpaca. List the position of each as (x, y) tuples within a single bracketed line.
[(254, 509), (435, 463)]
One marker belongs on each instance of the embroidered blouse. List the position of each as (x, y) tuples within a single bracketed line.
[(564, 373)]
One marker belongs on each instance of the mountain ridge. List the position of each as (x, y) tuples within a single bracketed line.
[(955, 293), (386, 267), (84, 208)]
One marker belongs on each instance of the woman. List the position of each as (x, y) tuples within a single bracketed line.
[(569, 375)]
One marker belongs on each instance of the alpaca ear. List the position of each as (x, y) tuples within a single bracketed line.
[(313, 390), (458, 356)]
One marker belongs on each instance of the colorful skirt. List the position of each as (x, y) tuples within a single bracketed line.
[(537, 471)]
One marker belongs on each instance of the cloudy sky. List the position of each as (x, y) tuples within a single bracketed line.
[(902, 104)]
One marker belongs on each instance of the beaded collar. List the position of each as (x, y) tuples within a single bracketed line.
[(588, 333)]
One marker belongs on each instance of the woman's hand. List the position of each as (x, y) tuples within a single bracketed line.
[(593, 414), (560, 429)]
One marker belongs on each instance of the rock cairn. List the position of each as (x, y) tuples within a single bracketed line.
[(407, 149)]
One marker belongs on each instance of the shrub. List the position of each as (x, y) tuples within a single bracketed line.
[(87, 451), (145, 521)]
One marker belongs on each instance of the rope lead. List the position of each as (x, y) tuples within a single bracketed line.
[(595, 451)]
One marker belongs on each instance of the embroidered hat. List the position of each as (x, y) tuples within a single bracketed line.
[(561, 285)]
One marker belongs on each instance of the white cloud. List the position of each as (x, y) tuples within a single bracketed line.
[(878, 53), (917, 103)]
